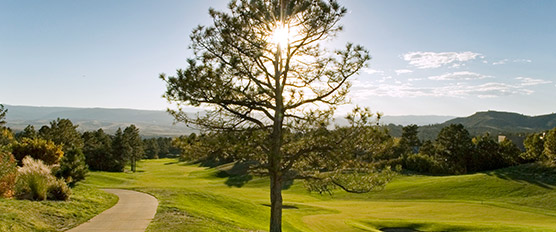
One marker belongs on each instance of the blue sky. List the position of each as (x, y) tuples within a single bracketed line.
[(429, 57)]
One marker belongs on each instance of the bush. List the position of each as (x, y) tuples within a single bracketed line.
[(6, 136), (41, 149), (8, 173), (58, 190), (72, 167), (33, 180)]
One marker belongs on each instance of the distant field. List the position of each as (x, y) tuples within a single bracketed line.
[(194, 198)]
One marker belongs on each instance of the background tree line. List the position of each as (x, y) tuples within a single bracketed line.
[(454, 151), (74, 153)]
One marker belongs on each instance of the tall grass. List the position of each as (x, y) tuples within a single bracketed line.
[(36, 182), (33, 180)]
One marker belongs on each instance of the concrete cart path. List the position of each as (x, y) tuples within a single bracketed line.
[(133, 212)]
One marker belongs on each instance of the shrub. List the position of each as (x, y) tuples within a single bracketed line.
[(33, 180), (8, 173), (6, 136), (58, 190), (72, 167), (41, 149)]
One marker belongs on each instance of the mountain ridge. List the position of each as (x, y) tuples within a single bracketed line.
[(514, 125), (152, 123), (160, 123)]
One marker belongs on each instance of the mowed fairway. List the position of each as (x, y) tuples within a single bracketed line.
[(193, 198)]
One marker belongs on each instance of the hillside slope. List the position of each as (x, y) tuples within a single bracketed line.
[(515, 125)]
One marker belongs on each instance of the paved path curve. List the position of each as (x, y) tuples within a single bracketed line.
[(133, 213)]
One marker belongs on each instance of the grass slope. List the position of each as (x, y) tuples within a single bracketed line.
[(194, 198), (85, 203)]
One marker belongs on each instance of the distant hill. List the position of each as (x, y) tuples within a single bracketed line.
[(506, 121), (150, 122), (515, 126), (419, 120), (160, 123), (404, 120)]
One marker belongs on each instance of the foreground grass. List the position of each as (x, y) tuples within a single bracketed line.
[(24, 215), (194, 198)]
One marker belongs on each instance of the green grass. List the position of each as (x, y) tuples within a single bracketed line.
[(23, 215), (194, 198)]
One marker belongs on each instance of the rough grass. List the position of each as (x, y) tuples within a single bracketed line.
[(23, 215), (194, 198)]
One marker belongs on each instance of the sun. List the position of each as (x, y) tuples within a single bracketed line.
[(285, 34), (281, 35)]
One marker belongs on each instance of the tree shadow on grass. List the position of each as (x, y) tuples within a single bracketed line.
[(398, 229), (238, 174), (534, 173)]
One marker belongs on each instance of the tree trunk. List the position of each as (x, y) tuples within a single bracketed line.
[(275, 203)]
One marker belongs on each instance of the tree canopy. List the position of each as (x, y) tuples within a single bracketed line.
[(63, 132), (261, 69)]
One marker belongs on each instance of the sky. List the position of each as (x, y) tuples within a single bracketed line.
[(429, 57)]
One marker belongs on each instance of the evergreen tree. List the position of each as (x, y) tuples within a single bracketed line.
[(534, 147), (3, 112), (63, 132), (133, 145), (73, 167), (151, 148), (98, 151), (6, 135), (454, 144), (120, 151), (549, 153), (28, 132), (262, 70), (410, 141)]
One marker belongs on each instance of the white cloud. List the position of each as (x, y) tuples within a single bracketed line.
[(505, 61), (383, 79), (522, 61), (461, 90), (403, 71), (373, 71), (527, 81), (424, 60), (465, 75)]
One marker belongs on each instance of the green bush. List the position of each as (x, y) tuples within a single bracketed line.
[(41, 149), (72, 167), (33, 180), (6, 136), (58, 190), (8, 173)]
